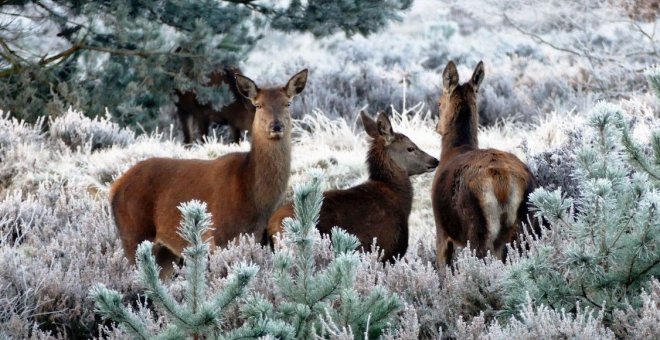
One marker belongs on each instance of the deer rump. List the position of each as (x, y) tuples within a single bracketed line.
[(481, 196)]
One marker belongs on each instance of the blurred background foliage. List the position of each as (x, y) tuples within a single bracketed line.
[(130, 56)]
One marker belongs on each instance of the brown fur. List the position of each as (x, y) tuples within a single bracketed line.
[(479, 195), (241, 189), (378, 208), (238, 114)]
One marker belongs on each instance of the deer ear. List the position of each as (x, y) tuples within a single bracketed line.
[(296, 84), (246, 87), (450, 77), (385, 128), (370, 125), (477, 76)]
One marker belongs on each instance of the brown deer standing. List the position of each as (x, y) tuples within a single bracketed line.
[(380, 206), (238, 114), (242, 189), (478, 195)]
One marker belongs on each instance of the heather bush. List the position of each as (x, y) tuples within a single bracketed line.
[(18, 140), (642, 323), (537, 323), (653, 77), (79, 131), (65, 243)]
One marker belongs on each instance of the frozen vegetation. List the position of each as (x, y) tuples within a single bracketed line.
[(571, 90)]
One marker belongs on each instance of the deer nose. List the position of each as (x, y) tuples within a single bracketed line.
[(276, 127), (435, 163)]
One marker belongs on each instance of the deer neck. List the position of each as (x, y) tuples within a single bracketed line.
[(462, 135), (269, 163), (383, 169)]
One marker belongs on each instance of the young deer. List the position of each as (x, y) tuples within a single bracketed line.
[(380, 206), (478, 195), (242, 189), (238, 114)]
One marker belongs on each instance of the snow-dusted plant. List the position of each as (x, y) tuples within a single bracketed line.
[(199, 314), (320, 300), (642, 323), (653, 77), (78, 131), (537, 322), (603, 247)]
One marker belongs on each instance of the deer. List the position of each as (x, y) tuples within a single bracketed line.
[(238, 114), (379, 207), (478, 195), (242, 189)]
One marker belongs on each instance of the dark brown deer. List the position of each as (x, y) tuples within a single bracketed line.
[(378, 208), (242, 189), (238, 114), (478, 195)]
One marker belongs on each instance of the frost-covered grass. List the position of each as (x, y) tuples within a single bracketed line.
[(58, 237)]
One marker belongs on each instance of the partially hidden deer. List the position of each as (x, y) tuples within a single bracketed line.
[(378, 208), (238, 114), (478, 195), (242, 189)]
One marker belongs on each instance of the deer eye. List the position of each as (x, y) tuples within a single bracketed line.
[(288, 104), (258, 106), (411, 149)]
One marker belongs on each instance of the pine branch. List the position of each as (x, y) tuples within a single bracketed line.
[(254, 6), (234, 288), (195, 222), (154, 288), (69, 52), (108, 304)]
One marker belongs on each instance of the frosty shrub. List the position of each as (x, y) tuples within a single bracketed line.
[(604, 245), (653, 77), (78, 131), (554, 169), (50, 260), (21, 213), (13, 130), (537, 323), (473, 288), (200, 314), (14, 133), (642, 323)]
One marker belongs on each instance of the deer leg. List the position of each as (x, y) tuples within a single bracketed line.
[(203, 125), (165, 258), (444, 250), (237, 134), (186, 125)]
